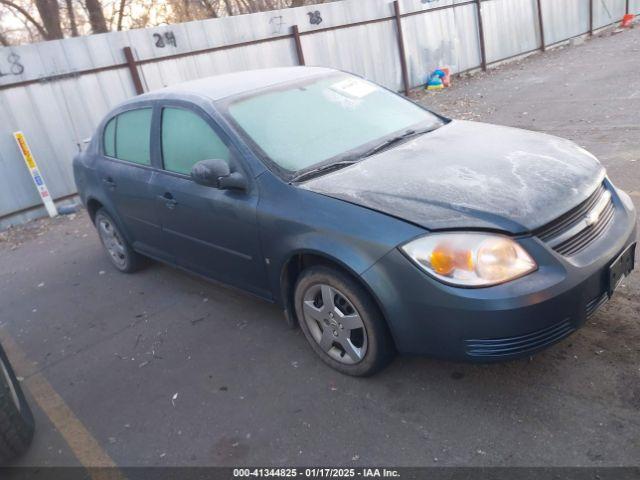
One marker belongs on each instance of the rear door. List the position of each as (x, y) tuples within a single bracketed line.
[(125, 171), (212, 232)]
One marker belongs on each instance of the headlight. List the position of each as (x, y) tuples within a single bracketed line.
[(470, 259)]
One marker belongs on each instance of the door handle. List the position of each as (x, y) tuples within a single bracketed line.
[(168, 200), (109, 182)]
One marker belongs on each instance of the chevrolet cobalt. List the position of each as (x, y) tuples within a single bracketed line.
[(377, 225)]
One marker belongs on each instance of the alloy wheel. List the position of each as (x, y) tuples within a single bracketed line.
[(112, 242), (335, 324)]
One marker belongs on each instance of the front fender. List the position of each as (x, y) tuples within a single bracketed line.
[(294, 221)]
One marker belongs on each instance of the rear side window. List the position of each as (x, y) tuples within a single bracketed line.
[(128, 136), (187, 139)]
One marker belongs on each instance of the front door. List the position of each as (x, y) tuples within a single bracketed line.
[(210, 231)]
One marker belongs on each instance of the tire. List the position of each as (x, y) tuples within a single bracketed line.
[(16, 418), (342, 322), (118, 250)]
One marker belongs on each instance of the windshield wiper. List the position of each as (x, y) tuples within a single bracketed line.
[(395, 140), (352, 159), (323, 169)]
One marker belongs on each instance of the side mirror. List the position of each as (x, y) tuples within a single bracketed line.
[(216, 173)]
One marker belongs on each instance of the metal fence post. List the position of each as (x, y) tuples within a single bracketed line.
[(133, 70), (626, 7), (299, 51), (483, 52), (590, 17), (403, 55), (543, 47)]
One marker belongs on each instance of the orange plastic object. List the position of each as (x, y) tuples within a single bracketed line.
[(627, 20)]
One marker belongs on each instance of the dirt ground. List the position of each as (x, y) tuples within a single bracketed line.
[(161, 368)]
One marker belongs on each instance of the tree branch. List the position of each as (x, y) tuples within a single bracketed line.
[(72, 18), (120, 15), (26, 15)]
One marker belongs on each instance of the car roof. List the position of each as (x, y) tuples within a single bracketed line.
[(231, 84)]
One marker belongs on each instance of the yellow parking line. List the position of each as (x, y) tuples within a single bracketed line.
[(83, 445)]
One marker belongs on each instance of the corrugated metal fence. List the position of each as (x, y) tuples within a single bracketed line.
[(56, 92)]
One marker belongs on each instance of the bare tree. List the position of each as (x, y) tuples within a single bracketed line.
[(120, 15), (49, 11), (27, 16), (71, 15), (96, 16)]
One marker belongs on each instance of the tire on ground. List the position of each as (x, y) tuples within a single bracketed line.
[(16, 418), (380, 350)]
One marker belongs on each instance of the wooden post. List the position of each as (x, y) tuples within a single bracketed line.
[(299, 51), (403, 55), (133, 70), (590, 17), (483, 52), (543, 47)]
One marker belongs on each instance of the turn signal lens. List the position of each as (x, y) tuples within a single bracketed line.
[(445, 259), (470, 259), (442, 260)]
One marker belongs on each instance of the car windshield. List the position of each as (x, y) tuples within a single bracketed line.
[(322, 120)]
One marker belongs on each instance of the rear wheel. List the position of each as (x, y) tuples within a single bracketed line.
[(122, 256), (16, 419), (342, 322)]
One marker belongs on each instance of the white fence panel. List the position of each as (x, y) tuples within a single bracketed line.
[(511, 27), (62, 106), (564, 19), (606, 12)]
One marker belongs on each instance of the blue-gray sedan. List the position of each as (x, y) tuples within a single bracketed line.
[(376, 224)]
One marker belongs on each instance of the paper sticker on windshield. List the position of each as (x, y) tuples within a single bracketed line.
[(354, 88)]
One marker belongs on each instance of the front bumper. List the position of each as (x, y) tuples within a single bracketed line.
[(507, 321)]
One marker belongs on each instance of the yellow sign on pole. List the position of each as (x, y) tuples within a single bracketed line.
[(35, 174)]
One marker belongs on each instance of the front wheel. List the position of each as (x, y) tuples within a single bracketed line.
[(342, 322)]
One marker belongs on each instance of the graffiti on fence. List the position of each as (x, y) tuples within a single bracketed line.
[(315, 18), (15, 67), (276, 24), (168, 38)]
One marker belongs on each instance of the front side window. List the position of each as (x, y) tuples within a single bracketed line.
[(311, 122), (187, 139), (128, 136)]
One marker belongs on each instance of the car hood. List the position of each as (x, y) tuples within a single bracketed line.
[(470, 175)]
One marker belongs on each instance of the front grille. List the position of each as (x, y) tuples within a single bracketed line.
[(516, 346), (595, 304), (578, 228)]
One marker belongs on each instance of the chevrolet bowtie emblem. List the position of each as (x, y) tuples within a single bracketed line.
[(594, 215), (591, 218)]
